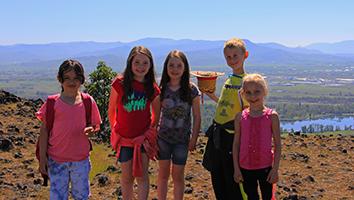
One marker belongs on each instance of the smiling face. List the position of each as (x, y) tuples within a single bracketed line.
[(254, 93), (140, 66), (71, 82), (235, 58), (175, 68)]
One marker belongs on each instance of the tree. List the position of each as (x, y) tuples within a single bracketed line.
[(99, 86)]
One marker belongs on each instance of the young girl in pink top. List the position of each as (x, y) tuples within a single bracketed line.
[(252, 147), (133, 112), (64, 150)]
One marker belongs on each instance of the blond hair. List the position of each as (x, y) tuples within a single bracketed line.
[(235, 43), (257, 79)]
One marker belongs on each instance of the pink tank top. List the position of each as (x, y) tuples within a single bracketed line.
[(256, 140)]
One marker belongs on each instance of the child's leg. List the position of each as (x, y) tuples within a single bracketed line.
[(79, 175), (250, 183), (162, 180), (179, 159), (164, 156), (59, 180), (143, 182), (178, 181), (126, 178), (266, 187)]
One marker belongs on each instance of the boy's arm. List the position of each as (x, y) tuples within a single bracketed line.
[(236, 149), (196, 122), (156, 107), (212, 96), (112, 107)]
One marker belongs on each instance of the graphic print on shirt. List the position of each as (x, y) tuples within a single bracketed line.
[(136, 101), (175, 113)]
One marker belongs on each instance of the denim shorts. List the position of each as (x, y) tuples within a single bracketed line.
[(178, 152), (126, 153)]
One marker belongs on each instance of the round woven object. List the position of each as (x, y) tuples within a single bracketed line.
[(206, 80)]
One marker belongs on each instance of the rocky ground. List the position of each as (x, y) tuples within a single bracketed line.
[(312, 166)]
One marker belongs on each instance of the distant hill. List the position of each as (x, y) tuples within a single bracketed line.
[(340, 48), (199, 52)]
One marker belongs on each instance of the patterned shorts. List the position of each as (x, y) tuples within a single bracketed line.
[(76, 173)]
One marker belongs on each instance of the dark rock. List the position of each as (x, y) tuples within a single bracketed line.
[(118, 192), (37, 181), (30, 175), (21, 186), (18, 155), (189, 177), (291, 197), (5, 144), (321, 190), (344, 151), (111, 168), (188, 190), (300, 157), (153, 186), (309, 179), (102, 180), (6, 97), (286, 189)]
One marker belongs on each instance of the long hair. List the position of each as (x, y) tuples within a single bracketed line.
[(128, 76), (69, 65), (185, 91)]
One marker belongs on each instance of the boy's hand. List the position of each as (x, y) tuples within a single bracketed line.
[(89, 131), (212, 96), (238, 176), (43, 166), (273, 176), (192, 144)]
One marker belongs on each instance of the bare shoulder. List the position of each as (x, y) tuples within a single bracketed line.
[(238, 116), (274, 115)]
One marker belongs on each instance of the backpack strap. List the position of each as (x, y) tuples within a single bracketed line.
[(86, 99), (49, 113)]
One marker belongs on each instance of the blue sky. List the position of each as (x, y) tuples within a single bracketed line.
[(289, 22)]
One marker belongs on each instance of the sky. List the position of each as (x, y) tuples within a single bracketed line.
[(288, 22)]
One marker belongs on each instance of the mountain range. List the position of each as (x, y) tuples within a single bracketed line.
[(199, 52)]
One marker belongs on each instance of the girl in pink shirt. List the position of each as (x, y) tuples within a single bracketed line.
[(252, 151), (64, 149)]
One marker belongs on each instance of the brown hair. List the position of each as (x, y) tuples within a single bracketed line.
[(128, 75), (235, 43), (185, 91), (69, 65)]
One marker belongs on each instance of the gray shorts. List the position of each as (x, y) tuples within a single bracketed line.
[(177, 152)]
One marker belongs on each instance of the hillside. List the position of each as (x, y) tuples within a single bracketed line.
[(199, 53), (312, 166)]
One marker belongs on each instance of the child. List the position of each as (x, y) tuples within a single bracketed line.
[(252, 147), (178, 97), (218, 153), (133, 125), (64, 149)]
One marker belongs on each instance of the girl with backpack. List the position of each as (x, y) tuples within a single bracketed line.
[(68, 118)]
